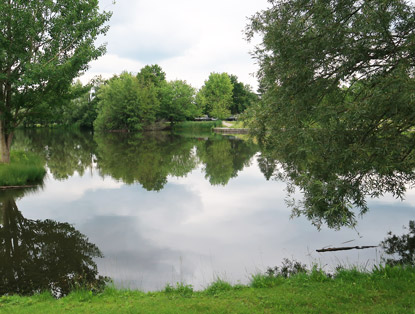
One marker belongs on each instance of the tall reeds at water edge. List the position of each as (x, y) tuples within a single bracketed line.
[(25, 168)]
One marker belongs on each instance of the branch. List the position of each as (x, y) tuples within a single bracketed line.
[(345, 248)]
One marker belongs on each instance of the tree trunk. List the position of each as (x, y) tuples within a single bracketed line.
[(5, 143)]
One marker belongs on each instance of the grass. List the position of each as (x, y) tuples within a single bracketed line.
[(383, 290), (24, 168), (236, 124), (197, 125)]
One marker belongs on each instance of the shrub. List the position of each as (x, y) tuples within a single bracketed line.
[(218, 286)]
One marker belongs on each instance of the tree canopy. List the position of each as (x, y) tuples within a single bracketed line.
[(126, 103), (338, 103), (215, 96), (43, 46), (178, 102)]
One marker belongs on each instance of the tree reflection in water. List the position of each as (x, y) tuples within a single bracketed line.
[(335, 173), (38, 255)]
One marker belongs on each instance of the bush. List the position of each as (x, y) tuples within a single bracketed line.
[(217, 287)]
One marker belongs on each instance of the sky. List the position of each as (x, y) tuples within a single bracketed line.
[(189, 39)]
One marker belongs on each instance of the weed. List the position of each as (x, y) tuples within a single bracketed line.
[(287, 269), (218, 286), (180, 289)]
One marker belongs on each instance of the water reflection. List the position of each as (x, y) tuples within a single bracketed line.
[(193, 228), (65, 151), (223, 159), (337, 172), (148, 159), (38, 255)]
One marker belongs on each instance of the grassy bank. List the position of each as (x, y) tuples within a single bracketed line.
[(197, 125), (24, 168), (384, 290)]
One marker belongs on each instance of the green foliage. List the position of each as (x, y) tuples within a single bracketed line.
[(180, 289), (216, 95), (242, 96), (265, 281), (287, 269), (152, 75), (403, 246), (24, 168), (337, 104), (44, 45), (178, 102), (217, 287), (126, 103)]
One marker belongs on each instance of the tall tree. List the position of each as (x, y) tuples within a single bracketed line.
[(242, 96), (338, 105), (126, 103), (43, 46), (152, 74), (177, 102), (216, 95)]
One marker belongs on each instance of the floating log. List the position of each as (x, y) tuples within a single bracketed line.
[(14, 187), (345, 248)]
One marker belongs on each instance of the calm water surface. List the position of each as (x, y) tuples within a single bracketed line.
[(189, 208)]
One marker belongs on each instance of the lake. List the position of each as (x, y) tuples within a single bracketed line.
[(166, 208)]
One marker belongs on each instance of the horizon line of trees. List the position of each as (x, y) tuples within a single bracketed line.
[(137, 102)]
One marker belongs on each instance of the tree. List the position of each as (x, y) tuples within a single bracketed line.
[(216, 95), (178, 101), (44, 45), (242, 96), (126, 103), (152, 74), (338, 106)]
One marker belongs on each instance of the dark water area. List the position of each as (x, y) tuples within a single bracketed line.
[(162, 208)]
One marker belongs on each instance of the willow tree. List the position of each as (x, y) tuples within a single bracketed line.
[(43, 46), (338, 108)]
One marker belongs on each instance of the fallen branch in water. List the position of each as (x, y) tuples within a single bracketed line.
[(345, 248), (13, 187)]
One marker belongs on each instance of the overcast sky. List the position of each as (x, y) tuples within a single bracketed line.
[(189, 39)]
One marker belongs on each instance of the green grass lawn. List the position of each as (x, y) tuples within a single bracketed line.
[(24, 168), (385, 290)]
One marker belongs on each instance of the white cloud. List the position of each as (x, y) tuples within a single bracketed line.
[(188, 38)]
